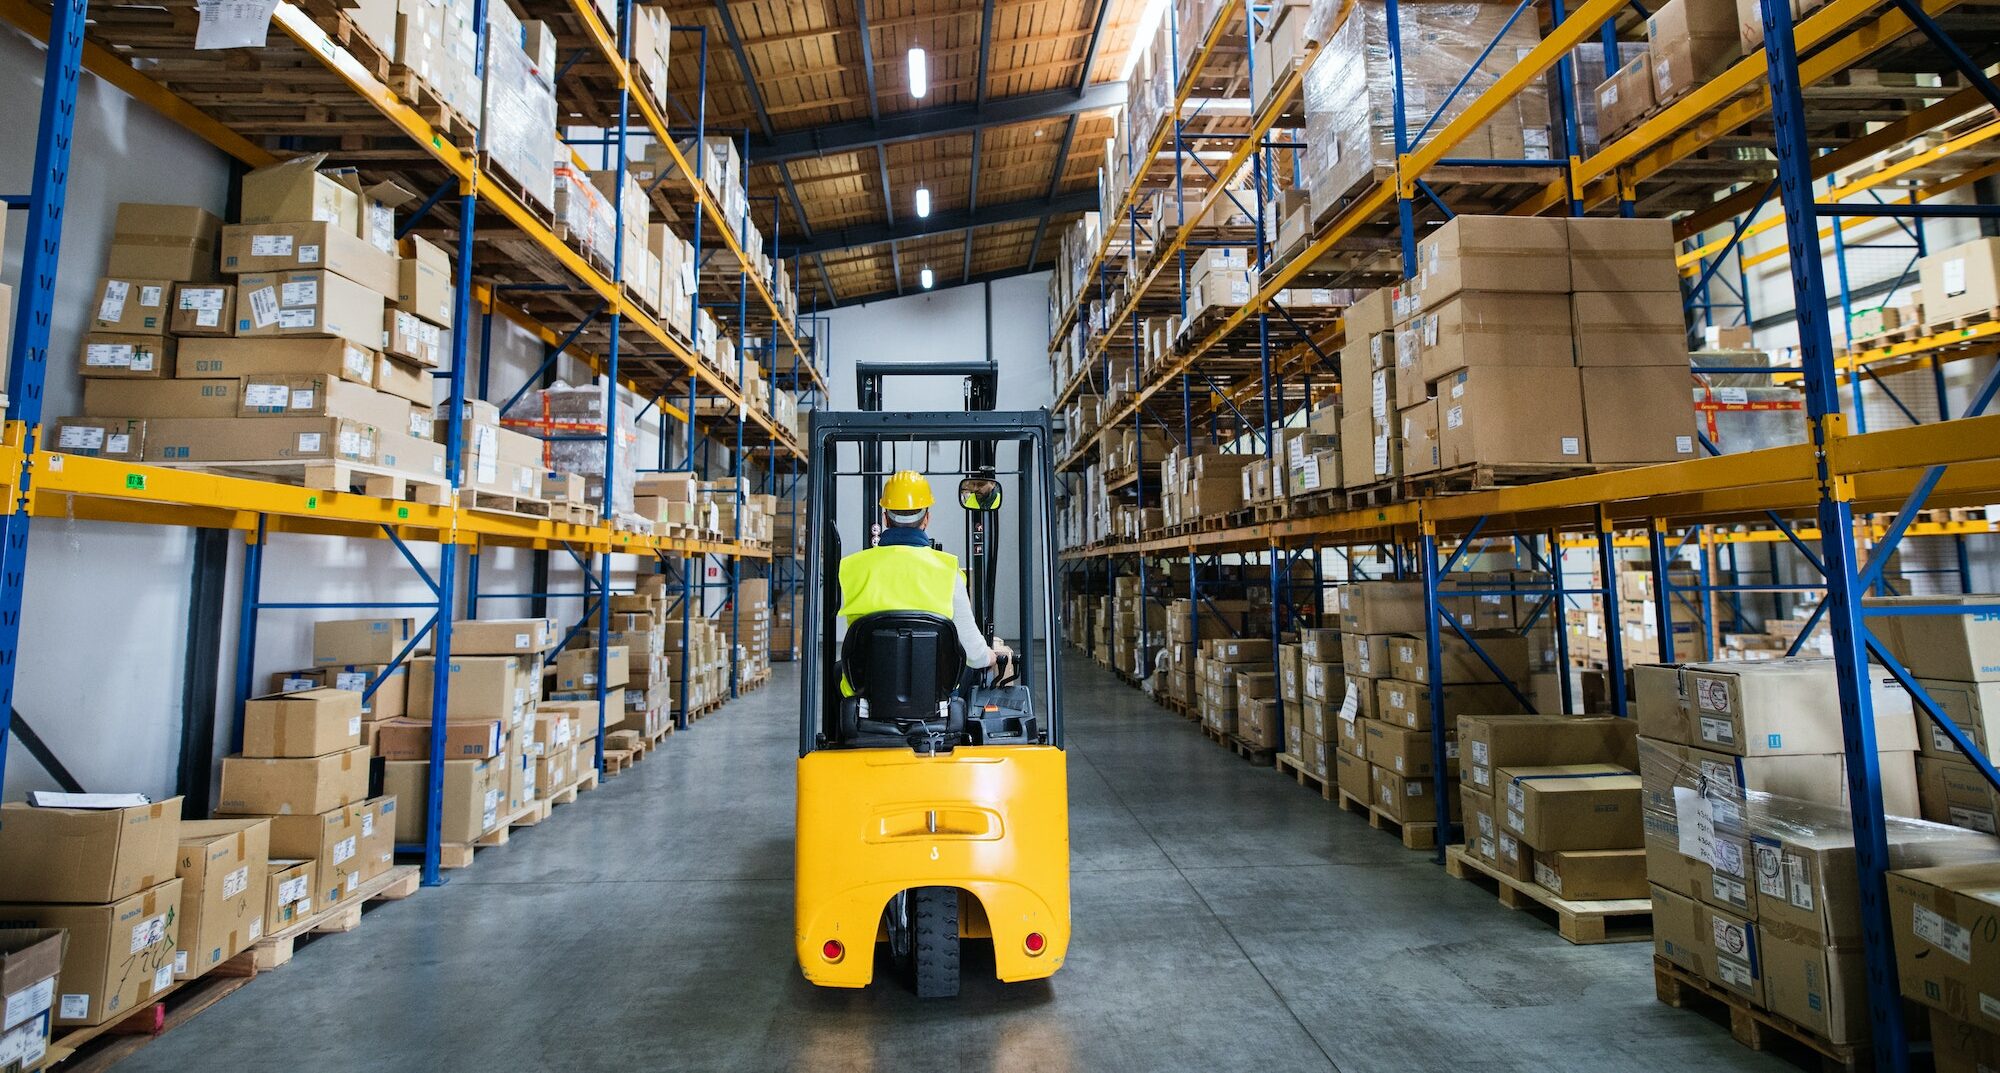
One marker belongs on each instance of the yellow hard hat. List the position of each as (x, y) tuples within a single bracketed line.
[(907, 490)]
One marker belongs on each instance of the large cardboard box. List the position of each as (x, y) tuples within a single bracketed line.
[(1405, 752), (119, 955), (203, 309), (1479, 416), (312, 722), (1690, 42), (233, 439), (1571, 806), (1406, 799), (233, 359), (1612, 253), (1490, 742), (86, 855), (259, 786), (310, 303), (1624, 98), (292, 247), (140, 357), (132, 306), (502, 636), (464, 739), (1481, 832), (1628, 328), (1974, 707), (1489, 328), (1493, 253), (474, 792), (296, 190), (1382, 607), (479, 687), (101, 437), (1784, 706), (1680, 935), (161, 398), (376, 641), (1639, 413), (332, 841), (424, 282), (1947, 955), (1961, 648), (176, 242), (319, 395), (1954, 792), (1409, 658), (1960, 1047), (30, 961), (1962, 282), (1592, 874), (288, 898), (377, 817), (222, 866)]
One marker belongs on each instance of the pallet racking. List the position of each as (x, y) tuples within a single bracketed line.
[(316, 74), (1784, 126)]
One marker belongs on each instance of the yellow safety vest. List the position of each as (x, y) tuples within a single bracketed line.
[(895, 577)]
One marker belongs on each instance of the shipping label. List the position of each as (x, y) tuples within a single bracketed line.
[(1941, 933)]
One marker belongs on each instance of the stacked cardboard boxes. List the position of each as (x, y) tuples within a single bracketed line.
[(1186, 631), (1639, 613), (1961, 285), (1232, 668), (1515, 773), (30, 961), (1956, 659)]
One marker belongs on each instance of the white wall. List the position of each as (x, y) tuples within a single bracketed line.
[(945, 326), (105, 621)]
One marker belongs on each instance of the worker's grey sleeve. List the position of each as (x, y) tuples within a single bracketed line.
[(977, 652)]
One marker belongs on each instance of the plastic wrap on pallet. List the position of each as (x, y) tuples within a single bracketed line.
[(1586, 74), (1350, 92), (518, 122), (565, 410), (583, 211)]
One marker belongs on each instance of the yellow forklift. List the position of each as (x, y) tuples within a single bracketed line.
[(933, 804)]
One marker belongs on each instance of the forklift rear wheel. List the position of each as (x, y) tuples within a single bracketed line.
[(933, 941)]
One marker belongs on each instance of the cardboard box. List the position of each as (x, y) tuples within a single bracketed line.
[(161, 398), (406, 381), (1960, 648), (1351, 774), (259, 786), (362, 641), (1405, 799), (289, 248), (1571, 806), (86, 855), (377, 817), (308, 303), (1404, 751), (307, 723), (176, 242), (222, 865), (1974, 707), (1409, 658), (1382, 607), (1691, 42), (1680, 934), (233, 359), (331, 840), (479, 686), (1783, 706), (1479, 412), (464, 739), (1946, 956), (502, 636), (100, 437), (296, 190), (1513, 857), (1961, 282), (1611, 253), (30, 960), (1734, 951), (1366, 655), (1627, 328), (1481, 832), (385, 703), (424, 282), (322, 396), (1625, 97), (143, 357), (1592, 874), (1419, 426), (407, 454), (203, 309), (288, 887), (132, 306), (119, 954), (474, 791), (1490, 328), (1954, 792), (1639, 413), (1960, 1047), (233, 439), (1493, 253), (413, 339)]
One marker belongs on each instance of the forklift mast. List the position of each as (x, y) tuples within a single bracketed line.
[(982, 386)]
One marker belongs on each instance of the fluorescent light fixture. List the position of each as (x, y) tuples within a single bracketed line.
[(924, 277), (923, 201), (920, 75)]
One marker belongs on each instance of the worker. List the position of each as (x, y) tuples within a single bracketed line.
[(904, 573)]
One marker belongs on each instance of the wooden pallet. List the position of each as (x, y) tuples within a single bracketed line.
[(328, 475), (1906, 333), (490, 170), (616, 761), (494, 502), (1258, 755), (1414, 835), (99, 1047), (1483, 476), (1370, 496), (1275, 511), (1969, 320), (459, 854), (275, 949), (443, 118), (1755, 1028), (583, 783), (1621, 920), (1286, 762)]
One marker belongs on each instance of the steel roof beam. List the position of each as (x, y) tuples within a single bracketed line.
[(946, 223), (743, 64), (943, 121)]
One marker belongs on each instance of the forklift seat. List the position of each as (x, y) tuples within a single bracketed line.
[(904, 663)]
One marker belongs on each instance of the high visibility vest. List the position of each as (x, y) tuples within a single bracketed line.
[(895, 577)]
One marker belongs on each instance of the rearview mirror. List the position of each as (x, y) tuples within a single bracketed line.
[(979, 493)]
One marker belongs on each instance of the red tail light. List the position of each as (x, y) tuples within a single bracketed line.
[(832, 951), (1036, 944)]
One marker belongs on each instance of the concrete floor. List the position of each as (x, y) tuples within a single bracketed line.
[(1225, 919)]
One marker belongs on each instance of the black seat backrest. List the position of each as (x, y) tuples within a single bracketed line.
[(905, 663)]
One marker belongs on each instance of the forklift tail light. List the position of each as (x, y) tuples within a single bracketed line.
[(833, 951), (1036, 944)]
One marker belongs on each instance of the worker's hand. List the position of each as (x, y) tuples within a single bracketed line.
[(1003, 662)]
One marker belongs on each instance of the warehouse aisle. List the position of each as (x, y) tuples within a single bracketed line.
[(1225, 920)]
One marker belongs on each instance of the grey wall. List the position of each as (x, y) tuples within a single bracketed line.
[(102, 648)]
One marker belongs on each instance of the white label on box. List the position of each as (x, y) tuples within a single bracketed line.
[(1973, 819), (142, 360), (368, 824), (270, 245), (308, 255), (79, 437), (1954, 277), (354, 680), (1482, 776), (236, 882), (1572, 445), (180, 962), (522, 640), (74, 1007), (302, 398), (1941, 933), (271, 396), (1735, 973), (1412, 788), (351, 442), (150, 297), (1696, 821), (200, 298), (1940, 740), (1548, 877), (1798, 878), (1454, 417), (1712, 694), (1727, 890), (309, 443), (116, 291), (1726, 857), (1479, 752), (164, 978), (207, 318), (26, 1003), (1517, 798), (343, 849), (1717, 730), (256, 928), (360, 364), (300, 292), (292, 890), (305, 907), (297, 319), (108, 355), (147, 932), (1350, 704), (263, 306), (353, 882), (354, 727), (1683, 445), (1516, 822)]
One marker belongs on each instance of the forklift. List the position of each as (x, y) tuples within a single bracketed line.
[(933, 806)]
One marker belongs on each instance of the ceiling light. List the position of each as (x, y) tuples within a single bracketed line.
[(923, 202), (924, 277), (920, 77)]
